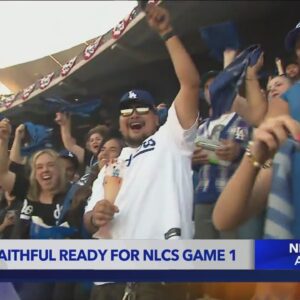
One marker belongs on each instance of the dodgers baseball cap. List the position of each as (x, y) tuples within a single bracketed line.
[(69, 155), (141, 96), (291, 38)]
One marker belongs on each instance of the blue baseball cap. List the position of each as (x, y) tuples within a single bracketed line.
[(291, 38), (71, 156), (137, 96)]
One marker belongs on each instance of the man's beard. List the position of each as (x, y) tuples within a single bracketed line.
[(136, 141)]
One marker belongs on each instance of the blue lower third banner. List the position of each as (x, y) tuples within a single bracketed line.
[(277, 255)]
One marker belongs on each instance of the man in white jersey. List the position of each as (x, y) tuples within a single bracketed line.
[(158, 174), (156, 196)]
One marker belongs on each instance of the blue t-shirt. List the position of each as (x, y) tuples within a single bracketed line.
[(292, 97)]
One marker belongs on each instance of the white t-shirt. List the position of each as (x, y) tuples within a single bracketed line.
[(155, 200)]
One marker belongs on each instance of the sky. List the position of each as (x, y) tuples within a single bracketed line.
[(34, 29)]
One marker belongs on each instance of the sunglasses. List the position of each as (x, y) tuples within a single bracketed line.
[(126, 112)]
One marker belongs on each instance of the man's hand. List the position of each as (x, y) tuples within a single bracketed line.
[(103, 212), (252, 71), (279, 66), (62, 119), (229, 150), (158, 18), (199, 157), (5, 130)]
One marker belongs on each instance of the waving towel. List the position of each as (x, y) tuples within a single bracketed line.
[(223, 89), (82, 109), (39, 136), (219, 37)]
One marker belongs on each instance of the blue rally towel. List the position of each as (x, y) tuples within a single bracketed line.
[(81, 109), (54, 232), (39, 138), (219, 37), (224, 88)]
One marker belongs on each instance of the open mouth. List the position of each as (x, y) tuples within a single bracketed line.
[(46, 178), (275, 95), (136, 125), (95, 147)]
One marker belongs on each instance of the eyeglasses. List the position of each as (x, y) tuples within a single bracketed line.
[(126, 112)]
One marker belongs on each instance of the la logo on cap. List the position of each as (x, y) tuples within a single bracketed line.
[(298, 25), (132, 95)]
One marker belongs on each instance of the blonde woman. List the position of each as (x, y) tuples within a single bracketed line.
[(45, 190), (43, 195)]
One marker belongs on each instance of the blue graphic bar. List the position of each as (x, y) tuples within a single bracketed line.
[(150, 276), (277, 255)]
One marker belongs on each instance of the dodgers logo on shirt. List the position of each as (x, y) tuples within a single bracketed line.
[(147, 145), (26, 210), (240, 133), (57, 211)]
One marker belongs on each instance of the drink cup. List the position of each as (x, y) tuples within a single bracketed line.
[(112, 184)]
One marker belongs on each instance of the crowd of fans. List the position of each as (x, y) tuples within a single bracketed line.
[(206, 177)]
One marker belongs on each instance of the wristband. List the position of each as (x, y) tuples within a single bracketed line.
[(167, 35), (254, 161)]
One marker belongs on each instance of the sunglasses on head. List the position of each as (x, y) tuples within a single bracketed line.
[(126, 112)]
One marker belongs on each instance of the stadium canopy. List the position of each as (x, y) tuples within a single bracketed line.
[(131, 55)]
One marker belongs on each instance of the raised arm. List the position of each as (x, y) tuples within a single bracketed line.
[(15, 151), (279, 66), (245, 195), (7, 178), (255, 107), (279, 107), (246, 192), (186, 101), (228, 57), (64, 121)]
